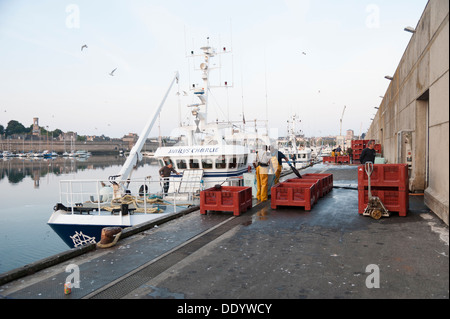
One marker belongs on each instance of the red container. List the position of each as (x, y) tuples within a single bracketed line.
[(236, 199), (359, 144), (329, 159), (385, 175), (343, 159), (393, 199), (292, 194), (327, 181), (377, 148), (316, 191)]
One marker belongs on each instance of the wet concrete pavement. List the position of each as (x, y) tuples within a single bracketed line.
[(289, 253)]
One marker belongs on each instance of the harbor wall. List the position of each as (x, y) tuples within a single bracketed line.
[(412, 122), (95, 147)]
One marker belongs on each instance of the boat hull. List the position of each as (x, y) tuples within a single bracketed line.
[(75, 235), (80, 229)]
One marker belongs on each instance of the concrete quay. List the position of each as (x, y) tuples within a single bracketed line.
[(327, 253)]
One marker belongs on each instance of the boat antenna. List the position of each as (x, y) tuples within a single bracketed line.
[(267, 105), (242, 90)]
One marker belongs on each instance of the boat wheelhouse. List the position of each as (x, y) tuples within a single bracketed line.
[(218, 162)]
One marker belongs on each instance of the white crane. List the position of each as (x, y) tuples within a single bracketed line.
[(340, 133), (135, 153)]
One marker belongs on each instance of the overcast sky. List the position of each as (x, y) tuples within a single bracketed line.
[(302, 57)]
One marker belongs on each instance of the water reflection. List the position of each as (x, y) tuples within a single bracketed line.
[(15, 169), (31, 188)]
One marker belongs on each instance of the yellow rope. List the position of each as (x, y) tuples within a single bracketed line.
[(129, 199)]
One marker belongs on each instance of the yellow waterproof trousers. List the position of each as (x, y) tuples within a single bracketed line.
[(277, 175), (262, 185)]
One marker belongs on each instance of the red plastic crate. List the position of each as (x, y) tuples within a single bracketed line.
[(393, 199), (359, 144), (385, 175), (377, 148), (291, 194), (327, 181), (329, 159), (237, 199), (343, 159), (316, 191)]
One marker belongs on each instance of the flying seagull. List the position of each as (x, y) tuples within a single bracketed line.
[(84, 47), (112, 72), (304, 53)]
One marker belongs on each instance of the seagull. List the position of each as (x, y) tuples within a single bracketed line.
[(304, 53), (112, 72), (84, 46)]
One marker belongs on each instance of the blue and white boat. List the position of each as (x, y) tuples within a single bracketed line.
[(85, 207), (208, 154)]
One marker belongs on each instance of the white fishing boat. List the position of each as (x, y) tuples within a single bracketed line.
[(208, 154), (216, 152), (299, 156), (85, 207)]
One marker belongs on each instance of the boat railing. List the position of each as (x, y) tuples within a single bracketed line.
[(97, 196)]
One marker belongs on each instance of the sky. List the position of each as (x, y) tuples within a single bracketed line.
[(304, 57)]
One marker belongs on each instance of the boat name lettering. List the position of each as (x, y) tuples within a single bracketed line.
[(194, 150)]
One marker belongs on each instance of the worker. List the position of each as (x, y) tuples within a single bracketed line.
[(279, 167), (350, 154), (262, 173), (165, 172), (368, 154), (338, 150)]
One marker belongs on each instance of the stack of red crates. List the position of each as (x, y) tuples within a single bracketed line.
[(389, 182), (304, 192), (359, 145)]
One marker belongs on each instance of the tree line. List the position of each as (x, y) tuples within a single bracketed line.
[(15, 127)]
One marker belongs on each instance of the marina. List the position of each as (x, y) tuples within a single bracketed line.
[(233, 178)]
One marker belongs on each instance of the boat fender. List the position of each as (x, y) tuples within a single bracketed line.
[(110, 236)]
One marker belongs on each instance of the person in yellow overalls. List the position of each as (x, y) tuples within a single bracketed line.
[(262, 173), (279, 166)]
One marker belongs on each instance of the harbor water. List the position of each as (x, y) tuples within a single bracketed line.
[(29, 189)]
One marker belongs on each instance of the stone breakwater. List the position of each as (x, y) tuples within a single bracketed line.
[(95, 147)]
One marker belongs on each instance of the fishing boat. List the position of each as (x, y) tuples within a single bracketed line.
[(299, 156), (85, 207), (208, 153), (216, 152)]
